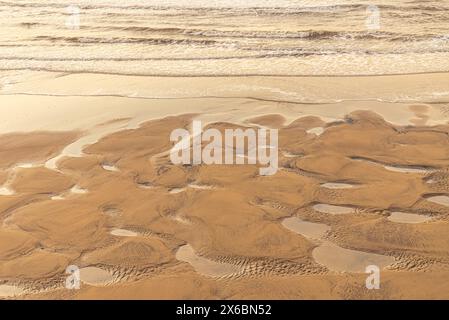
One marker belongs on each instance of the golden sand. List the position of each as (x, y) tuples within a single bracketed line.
[(97, 189)]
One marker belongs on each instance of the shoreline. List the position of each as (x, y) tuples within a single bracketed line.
[(83, 101), (426, 87), (87, 113)]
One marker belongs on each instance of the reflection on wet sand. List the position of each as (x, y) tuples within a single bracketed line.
[(6, 191), (95, 276), (205, 266), (97, 106), (332, 256), (78, 190), (404, 169), (109, 167), (123, 233), (339, 259), (332, 209), (7, 291), (200, 187), (316, 131), (442, 200), (402, 217), (307, 229), (176, 190), (337, 185)]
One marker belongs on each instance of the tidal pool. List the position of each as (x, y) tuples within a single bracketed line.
[(407, 169), (78, 190), (332, 256), (7, 291), (176, 190), (442, 200), (339, 259), (337, 185), (205, 266), (291, 155), (307, 229), (109, 167), (95, 276), (6, 191), (402, 217), (332, 209), (28, 165), (145, 185), (123, 233), (200, 187), (317, 131)]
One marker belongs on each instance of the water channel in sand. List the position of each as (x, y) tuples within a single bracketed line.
[(109, 167), (332, 256), (123, 233), (307, 229), (337, 185), (332, 209), (407, 169), (403, 217), (442, 200), (95, 276), (205, 266), (316, 131), (7, 291), (339, 259)]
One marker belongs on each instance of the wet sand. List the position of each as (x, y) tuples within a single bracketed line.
[(307, 229), (402, 217), (205, 266), (332, 209), (7, 291), (361, 102), (6, 191), (332, 256), (123, 233), (95, 276), (123, 207), (108, 167), (340, 259), (407, 170), (337, 185), (442, 200)]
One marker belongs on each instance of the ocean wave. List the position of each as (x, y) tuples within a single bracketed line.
[(194, 36), (292, 8), (299, 53), (258, 39), (124, 40)]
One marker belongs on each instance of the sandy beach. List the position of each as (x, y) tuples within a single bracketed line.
[(86, 178), (89, 187)]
